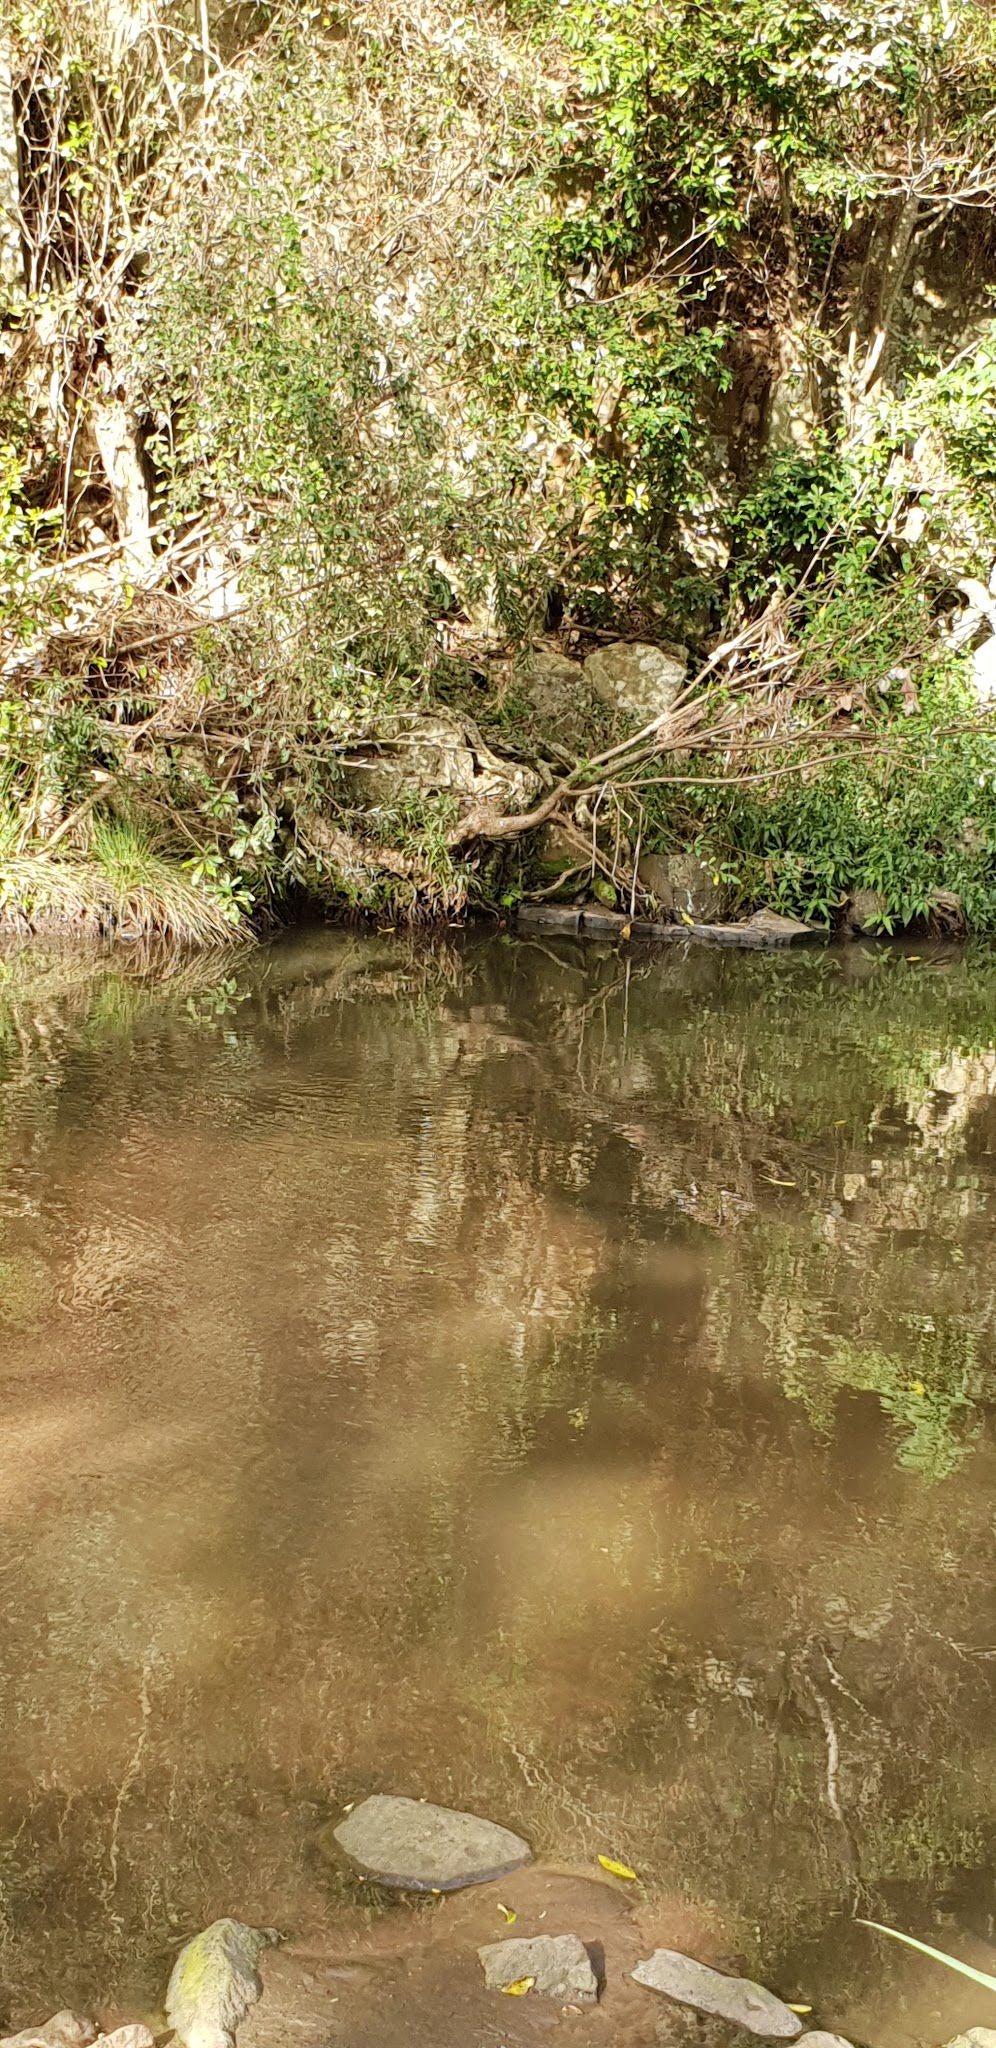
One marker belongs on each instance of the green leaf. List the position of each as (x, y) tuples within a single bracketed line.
[(937, 1955)]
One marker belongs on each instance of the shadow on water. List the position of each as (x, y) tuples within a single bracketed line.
[(508, 1373)]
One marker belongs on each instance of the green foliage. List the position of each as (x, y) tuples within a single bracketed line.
[(931, 459), (798, 505), (26, 606), (696, 108), (911, 822)]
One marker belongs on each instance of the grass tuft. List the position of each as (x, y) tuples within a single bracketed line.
[(127, 887)]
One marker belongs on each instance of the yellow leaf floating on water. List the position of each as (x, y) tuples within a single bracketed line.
[(772, 1182), (801, 2009), (617, 1869), (685, 919), (507, 1913), (519, 1988)]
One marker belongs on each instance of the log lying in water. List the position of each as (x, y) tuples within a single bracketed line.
[(765, 929)]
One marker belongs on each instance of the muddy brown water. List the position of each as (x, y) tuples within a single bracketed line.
[(511, 1374)]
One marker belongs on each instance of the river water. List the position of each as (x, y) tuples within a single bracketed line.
[(510, 1374)]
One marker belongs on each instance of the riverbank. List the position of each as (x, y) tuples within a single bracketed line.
[(440, 468), (408, 1976), (626, 784)]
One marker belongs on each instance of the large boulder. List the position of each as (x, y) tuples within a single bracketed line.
[(638, 681), (683, 886), (429, 753), (417, 1847)]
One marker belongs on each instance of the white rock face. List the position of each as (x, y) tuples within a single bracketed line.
[(977, 619), (429, 754), (135, 2036), (559, 1963), (638, 681), (729, 1998), (421, 1848), (63, 2030), (984, 677)]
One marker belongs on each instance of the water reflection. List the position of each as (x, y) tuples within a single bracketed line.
[(502, 1372)]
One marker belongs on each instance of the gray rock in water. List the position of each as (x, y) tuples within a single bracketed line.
[(637, 680), (976, 2037), (770, 928), (134, 2036), (560, 1964), (819, 2040), (423, 1848), (63, 2030), (730, 1998)]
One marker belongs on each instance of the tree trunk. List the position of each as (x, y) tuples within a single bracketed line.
[(868, 357), (793, 410), (11, 252), (116, 436)]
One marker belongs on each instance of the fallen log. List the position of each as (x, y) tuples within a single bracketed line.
[(766, 929)]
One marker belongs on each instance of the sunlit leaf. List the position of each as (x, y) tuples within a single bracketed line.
[(519, 1988), (507, 1913), (803, 2009), (616, 1869), (937, 1955)]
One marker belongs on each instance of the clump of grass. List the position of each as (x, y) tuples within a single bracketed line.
[(127, 886)]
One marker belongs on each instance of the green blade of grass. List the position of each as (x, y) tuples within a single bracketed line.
[(937, 1954)]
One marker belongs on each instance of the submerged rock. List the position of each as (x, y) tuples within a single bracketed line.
[(976, 2037), (421, 1848), (133, 2036), (63, 2030), (640, 681), (730, 1998), (819, 2040), (214, 1982), (559, 1963)]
